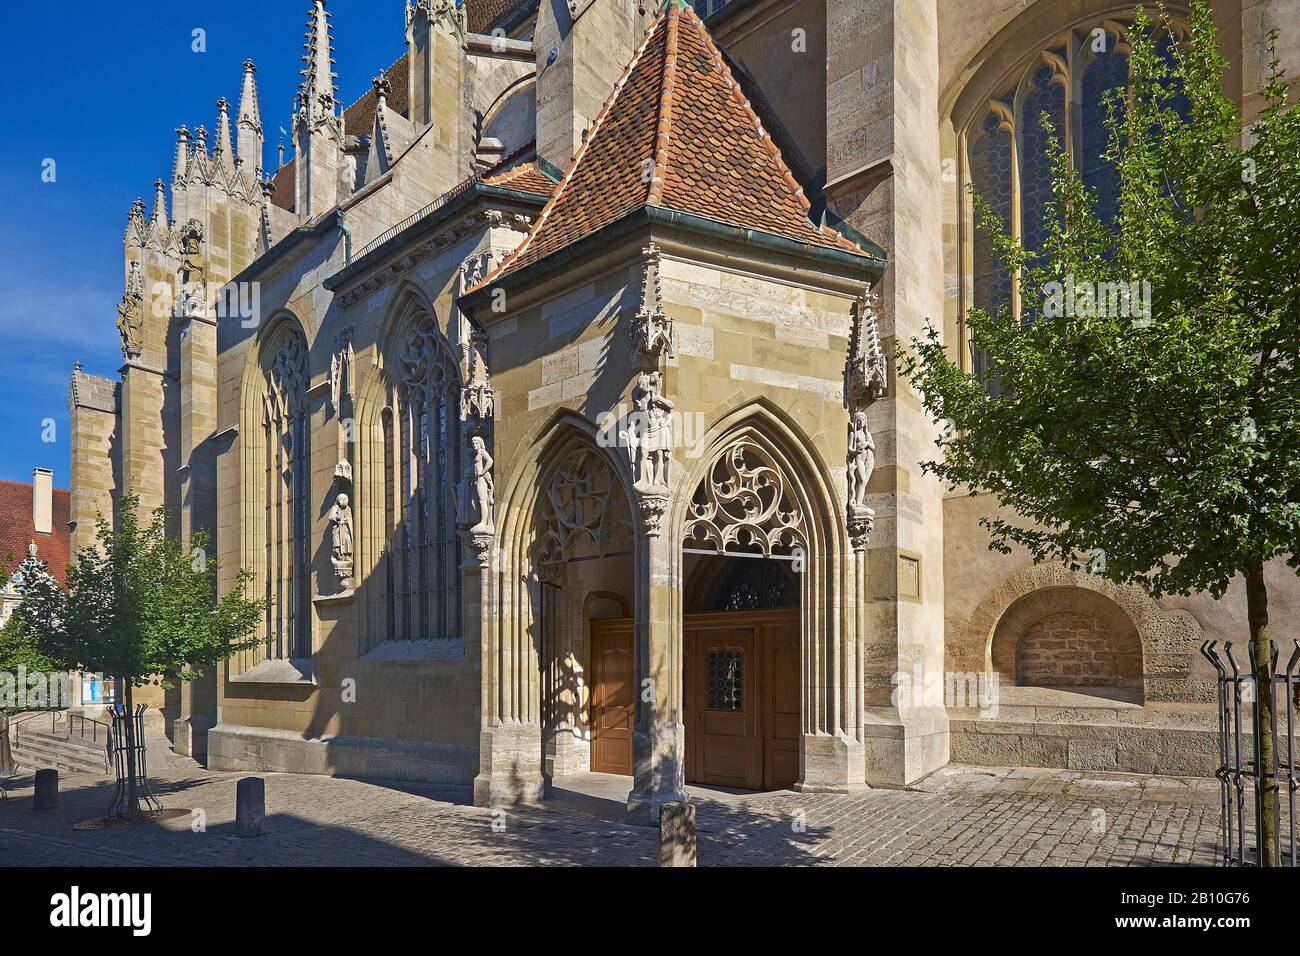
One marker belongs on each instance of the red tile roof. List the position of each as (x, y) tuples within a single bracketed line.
[(284, 186), (526, 177), (676, 132), (17, 530), (481, 15), (359, 118)]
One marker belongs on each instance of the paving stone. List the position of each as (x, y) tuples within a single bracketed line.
[(958, 818)]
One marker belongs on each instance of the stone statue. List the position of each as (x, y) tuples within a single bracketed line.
[(861, 461), (650, 437), (341, 539), (477, 496)]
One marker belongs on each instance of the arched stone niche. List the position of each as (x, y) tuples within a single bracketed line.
[(1067, 637)]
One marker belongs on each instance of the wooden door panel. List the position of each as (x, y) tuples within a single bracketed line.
[(613, 698), (743, 733), (727, 707), (781, 657)]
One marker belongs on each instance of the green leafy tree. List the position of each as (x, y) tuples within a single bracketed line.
[(1158, 446), (142, 607), (19, 655)]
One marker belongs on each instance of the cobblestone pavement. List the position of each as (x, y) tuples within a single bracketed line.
[(960, 816)]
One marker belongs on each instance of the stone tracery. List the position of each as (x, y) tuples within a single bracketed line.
[(285, 425), (583, 511), (424, 554), (746, 505)]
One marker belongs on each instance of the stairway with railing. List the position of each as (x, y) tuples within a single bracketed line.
[(57, 739)]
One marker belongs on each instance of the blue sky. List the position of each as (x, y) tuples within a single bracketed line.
[(100, 89)]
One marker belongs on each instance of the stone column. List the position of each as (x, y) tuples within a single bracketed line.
[(198, 387), (510, 739), (659, 740), (883, 161)]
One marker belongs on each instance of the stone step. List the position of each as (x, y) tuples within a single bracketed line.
[(61, 738), (34, 753)]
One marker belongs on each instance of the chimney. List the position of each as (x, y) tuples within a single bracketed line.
[(43, 500)]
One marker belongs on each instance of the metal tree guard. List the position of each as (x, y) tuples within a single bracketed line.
[(1239, 752), (117, 754)]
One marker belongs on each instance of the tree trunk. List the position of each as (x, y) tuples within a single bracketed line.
[(132, 791), (1262, 671)]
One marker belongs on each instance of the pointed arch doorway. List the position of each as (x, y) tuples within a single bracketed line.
[(742, 557)]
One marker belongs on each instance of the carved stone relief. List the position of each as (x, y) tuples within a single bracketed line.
[(652, 329)]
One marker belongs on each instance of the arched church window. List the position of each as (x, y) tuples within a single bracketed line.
[(1069, 80), (287, 499), (424, 554)]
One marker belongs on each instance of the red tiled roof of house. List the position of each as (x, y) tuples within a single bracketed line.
[(678, 133), (17, 530)]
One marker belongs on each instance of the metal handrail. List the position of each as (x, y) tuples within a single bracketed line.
[(16, 722), (415, 217), (58, 715)]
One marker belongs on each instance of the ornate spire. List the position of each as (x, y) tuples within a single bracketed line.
[(182, 163), (135, 221), (866, 371), (318, 93), (382, 143), (200, 142), (250, 113), (264, 225), (159, 216), (224, 152), (250, 135)]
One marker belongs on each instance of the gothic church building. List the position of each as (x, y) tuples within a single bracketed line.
[(546, 392)]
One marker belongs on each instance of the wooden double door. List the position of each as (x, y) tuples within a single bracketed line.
[(741, 682)]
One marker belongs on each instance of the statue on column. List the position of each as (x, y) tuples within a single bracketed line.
[(866, 377), (649, 437), (861, 460), (477, 492), (340, 521)]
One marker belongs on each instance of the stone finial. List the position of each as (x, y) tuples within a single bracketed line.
[(251, 137), (181, 164), (224, 151), (159, 215), (135, 227), (865, 369)]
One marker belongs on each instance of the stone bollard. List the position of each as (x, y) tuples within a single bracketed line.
[(47, 790), (250, 807), (677, 834)]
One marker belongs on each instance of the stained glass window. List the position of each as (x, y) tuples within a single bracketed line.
[(287, 507), (424, 554), (1009, 156)]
